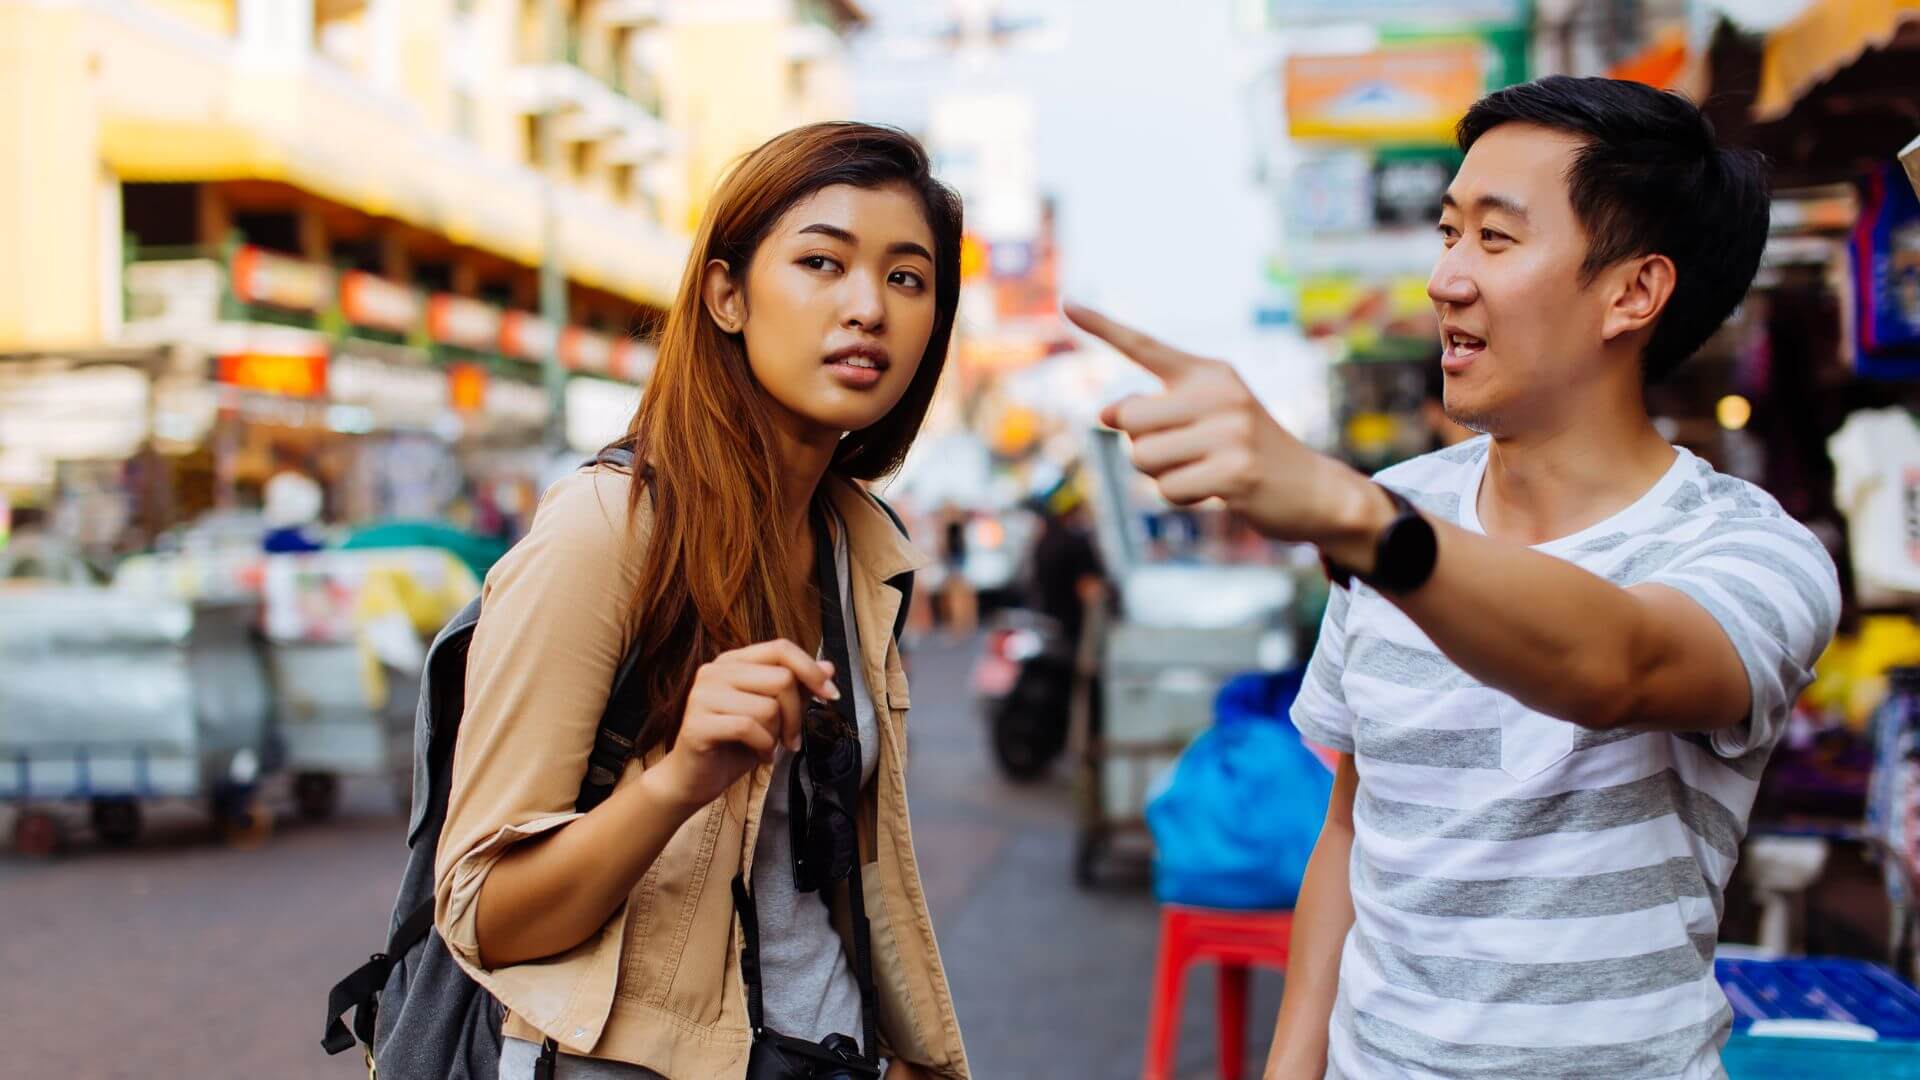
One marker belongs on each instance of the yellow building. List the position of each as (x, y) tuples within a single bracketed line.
[(257, 180)]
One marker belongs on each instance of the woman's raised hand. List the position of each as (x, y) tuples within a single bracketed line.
[(743, 706)]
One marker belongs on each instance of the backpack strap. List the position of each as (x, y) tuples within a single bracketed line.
[(619, 729), (360, 990)]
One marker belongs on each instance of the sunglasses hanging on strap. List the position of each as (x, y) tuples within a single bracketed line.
[(826, 851)]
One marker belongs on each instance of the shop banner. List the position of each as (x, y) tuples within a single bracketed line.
[(583, 350), (1408, 183), (467, 387), (261, 277), (1394, 12), (1407, 93), (633, 360), (279, 375), (467, 323), (524, 336), (374, 302), (1886, 263)]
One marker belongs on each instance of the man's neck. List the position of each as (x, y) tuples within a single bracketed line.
[(1542, 485)]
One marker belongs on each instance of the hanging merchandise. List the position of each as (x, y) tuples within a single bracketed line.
[(1886, 274), (1876, 465)]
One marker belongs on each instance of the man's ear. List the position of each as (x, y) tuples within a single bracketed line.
[(726, 303), (1641, 288)]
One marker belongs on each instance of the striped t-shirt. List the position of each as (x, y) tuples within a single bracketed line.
[(1531, 898)]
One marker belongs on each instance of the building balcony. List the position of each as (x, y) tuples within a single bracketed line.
[(173, 103)]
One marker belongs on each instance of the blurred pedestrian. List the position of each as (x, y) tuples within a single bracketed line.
[(755, 581), (959, 603), (1067, 577), (1563, 650)]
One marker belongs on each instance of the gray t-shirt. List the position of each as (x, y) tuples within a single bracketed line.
[(1533, 898), (807, 985)]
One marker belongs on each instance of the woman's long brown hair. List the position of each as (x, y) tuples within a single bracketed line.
[(714, 578)]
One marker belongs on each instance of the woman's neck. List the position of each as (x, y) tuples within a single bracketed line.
[(802, 457)]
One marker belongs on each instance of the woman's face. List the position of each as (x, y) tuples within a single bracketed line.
[(838, 306)]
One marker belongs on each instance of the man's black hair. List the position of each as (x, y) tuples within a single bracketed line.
[(1650, 179)]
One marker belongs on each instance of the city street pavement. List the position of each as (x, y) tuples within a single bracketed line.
[(181, 958)]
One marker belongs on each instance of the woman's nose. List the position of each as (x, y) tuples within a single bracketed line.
[(865, 304)]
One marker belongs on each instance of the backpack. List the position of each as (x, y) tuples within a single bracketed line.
[(416, 1013)]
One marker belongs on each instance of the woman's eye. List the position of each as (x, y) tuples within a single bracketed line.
[(908, 278), (818, 262)]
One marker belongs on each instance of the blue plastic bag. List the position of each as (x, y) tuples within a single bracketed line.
[(1239, 816)]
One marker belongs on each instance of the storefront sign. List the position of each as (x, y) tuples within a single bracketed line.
[(261, 277), (1409, 93), (374, 302), (1331, 194), (526, 337), (468, 323), (281, 375), (633, 361), (467, 387), (583, 350), (1886, 253), (1363, 309), (399, 394), (1408, 183), (1395, 12), (516, 404), (598, 412)]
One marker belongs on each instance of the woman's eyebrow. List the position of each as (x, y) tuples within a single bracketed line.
[(904, 247)]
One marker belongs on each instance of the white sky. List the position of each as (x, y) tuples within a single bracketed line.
[(1144, 116)]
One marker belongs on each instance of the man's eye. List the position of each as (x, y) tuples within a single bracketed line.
[(1448, 233), (1488, 236)]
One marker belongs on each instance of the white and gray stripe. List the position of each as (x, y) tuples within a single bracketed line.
[(1531, 898)]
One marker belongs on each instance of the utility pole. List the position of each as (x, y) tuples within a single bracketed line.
[(553, 281)]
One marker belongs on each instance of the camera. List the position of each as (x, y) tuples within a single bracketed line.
[(782, 1057)]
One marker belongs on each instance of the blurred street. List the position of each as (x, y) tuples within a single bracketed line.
[(180, 957)]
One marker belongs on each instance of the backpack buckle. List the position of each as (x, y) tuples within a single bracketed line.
[(373, 1071)]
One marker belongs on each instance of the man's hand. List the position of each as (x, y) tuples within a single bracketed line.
[(1206, 437)]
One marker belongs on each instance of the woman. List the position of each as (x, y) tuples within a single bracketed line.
[(798, 360)]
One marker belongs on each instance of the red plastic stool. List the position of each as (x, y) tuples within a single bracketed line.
[(1236, 940)]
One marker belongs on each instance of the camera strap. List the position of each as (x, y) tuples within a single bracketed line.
[(833, 634)]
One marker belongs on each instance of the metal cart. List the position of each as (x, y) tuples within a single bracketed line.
[(1147, 673), (111, 700)]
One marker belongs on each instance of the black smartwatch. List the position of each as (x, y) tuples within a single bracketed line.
[(1404, 555)]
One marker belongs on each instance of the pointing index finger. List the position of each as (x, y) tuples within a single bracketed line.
[(1158, 358)]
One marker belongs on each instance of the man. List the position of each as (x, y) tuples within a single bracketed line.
[(1067, 574), (1565, 648)]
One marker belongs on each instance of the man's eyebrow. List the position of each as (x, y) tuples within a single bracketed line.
[(903, 247), (1503, 203)]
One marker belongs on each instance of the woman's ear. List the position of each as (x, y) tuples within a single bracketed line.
[(723, 298)]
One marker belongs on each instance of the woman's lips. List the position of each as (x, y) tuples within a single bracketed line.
[(855, 377)]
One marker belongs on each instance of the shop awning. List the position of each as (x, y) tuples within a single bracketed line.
[(1828, 36)]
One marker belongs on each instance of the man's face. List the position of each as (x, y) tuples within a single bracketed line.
[(1517, 327)]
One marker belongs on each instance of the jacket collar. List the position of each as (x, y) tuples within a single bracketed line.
[(874, 543)]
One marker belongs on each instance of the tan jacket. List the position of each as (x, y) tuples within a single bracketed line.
[(659, 985)]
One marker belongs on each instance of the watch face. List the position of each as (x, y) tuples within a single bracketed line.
[(1408, 550)]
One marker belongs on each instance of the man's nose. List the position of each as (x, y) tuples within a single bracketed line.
[(1450, 282)]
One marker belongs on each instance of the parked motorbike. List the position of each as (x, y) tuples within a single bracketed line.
[(1023, 681)]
